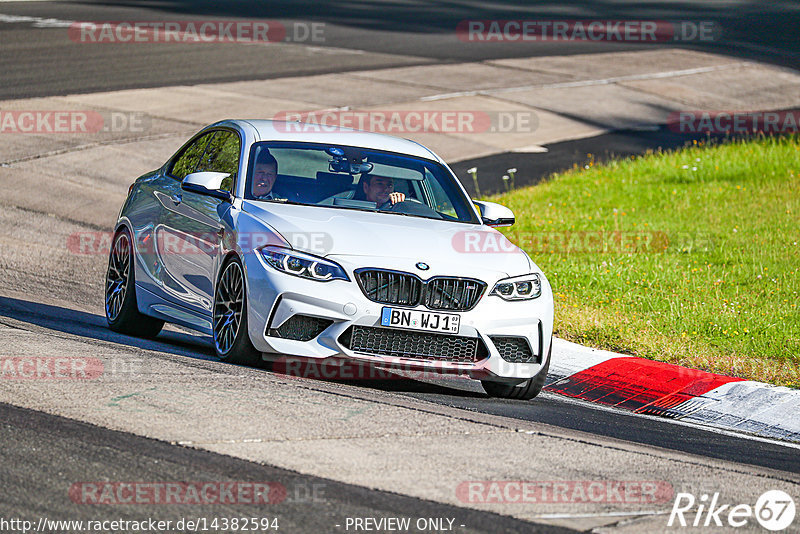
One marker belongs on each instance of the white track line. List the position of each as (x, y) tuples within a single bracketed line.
[(601, 514), (589, 83), (716, 430)]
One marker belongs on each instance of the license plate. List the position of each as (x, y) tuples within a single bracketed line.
[(420, 320)]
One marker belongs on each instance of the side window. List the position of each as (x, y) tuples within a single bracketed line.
[(222, 155), (187, 162), (441, 202)]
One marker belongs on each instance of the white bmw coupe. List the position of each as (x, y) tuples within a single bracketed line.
[(328, 244)]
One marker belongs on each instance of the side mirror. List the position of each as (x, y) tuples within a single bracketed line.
[(494, 214), (207, 183)]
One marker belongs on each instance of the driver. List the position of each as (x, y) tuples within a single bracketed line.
[(380, 190)]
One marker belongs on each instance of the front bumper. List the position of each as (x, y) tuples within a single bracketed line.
[(273, 298)]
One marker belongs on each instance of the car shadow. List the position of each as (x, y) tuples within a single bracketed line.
[(195, 346), (401, 384), (91, 326)]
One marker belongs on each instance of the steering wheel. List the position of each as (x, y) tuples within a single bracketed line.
[(387, 206), (413, 206)]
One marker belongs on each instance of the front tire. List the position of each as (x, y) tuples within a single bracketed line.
[(122, 311), (525, 391), (231, 340)]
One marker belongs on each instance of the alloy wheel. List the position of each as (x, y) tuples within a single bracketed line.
[(228, 304), (117, 276)]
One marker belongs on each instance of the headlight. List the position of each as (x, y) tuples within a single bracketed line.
[(524, 287), (303, 265)]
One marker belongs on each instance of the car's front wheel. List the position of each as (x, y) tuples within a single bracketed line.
[(231, 340), (524, 391), (122, 312)]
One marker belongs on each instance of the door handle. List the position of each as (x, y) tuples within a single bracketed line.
[(176, 198)]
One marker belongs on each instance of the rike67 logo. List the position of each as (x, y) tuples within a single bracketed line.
[(774, 510)]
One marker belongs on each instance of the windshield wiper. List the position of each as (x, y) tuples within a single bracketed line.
[(374, 210), (284, 201)]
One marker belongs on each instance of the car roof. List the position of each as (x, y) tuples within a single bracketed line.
[(269, 130)]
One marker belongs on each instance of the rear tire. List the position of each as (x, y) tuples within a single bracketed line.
[(525, 391), (231, 339), (122, 311)]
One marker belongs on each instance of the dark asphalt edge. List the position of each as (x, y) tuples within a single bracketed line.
[(534, 168), (393, 504), (662, 433)]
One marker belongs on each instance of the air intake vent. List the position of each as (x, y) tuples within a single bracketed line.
[(515, 349), (301, 328), (415, 345)]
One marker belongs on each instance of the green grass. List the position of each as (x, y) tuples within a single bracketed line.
[(707, 272)]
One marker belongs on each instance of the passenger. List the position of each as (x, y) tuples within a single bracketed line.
[(265, 172)]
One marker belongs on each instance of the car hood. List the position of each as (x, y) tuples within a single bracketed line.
[(393, 241)]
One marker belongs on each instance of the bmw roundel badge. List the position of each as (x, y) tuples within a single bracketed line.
[(422, 266)]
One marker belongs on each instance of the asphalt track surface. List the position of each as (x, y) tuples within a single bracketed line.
[(39, 60), (549, 408), (66, 451)]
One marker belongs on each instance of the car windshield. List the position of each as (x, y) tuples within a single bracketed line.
[(346, 177)]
